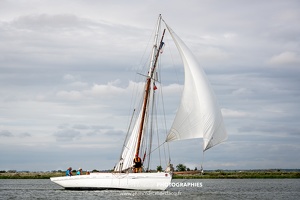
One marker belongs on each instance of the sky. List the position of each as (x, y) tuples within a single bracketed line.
[(67, 70)]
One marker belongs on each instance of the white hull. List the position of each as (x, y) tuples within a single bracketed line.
[(130, 181)]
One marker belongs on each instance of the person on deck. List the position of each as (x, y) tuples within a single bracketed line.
[(137, 167), (79, 172), (69, 171)]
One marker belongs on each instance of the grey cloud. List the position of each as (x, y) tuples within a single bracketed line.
[(107, 132), (23, 135), (46, 22), (67, 135), (81, 126), (115, 133), (99, 127), (6, 133), (92, 133), (92, 127), (63, 126), (274, 130)]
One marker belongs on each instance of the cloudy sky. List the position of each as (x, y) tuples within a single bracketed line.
[(67, 69)]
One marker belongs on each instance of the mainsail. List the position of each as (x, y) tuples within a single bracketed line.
[(199, 115), (129, 149), (132, 147)]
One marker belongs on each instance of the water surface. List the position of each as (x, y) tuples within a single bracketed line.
[(203, 189)]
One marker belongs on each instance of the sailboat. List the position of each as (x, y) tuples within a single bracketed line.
[(198, 116)]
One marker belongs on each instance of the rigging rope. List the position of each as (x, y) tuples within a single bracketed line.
[(165, 121), (201, 169), (158, 147)]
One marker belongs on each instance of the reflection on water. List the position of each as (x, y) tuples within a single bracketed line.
[(180, 189)]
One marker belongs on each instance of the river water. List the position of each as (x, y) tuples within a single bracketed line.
[(180, 189)]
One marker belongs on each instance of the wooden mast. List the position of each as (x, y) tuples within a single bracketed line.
[(147, 91)]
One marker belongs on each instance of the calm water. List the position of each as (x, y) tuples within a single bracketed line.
[(211, 189)]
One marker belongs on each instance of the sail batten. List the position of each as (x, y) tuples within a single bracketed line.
[(199, 115)]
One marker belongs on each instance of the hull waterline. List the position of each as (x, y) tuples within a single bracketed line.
[(129, 181)]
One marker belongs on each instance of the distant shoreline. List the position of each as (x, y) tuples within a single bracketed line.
[(219, 174), (261, 174)]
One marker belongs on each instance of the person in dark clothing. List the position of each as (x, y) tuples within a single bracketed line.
[(137, 167)]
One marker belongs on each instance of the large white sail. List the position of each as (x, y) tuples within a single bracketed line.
[(129, 149), (199, 115)]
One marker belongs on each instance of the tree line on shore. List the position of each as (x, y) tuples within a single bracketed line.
[(180, 171), (179, 168)]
